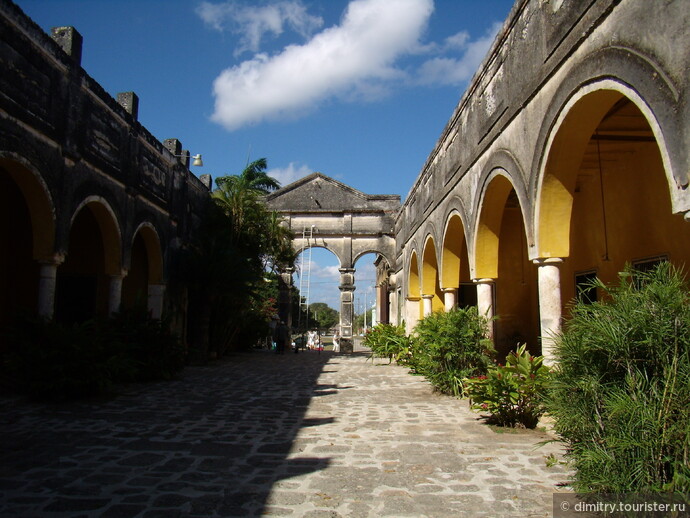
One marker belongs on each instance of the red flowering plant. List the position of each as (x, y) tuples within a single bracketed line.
[(513, 394)]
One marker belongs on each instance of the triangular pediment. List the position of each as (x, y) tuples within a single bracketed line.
[(318, 192)]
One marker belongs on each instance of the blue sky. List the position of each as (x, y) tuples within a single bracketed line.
[(359, 90)]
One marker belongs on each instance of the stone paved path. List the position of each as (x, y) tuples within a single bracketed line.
[(304, 435)]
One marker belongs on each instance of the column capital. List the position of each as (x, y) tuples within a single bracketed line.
[(121, 275), (449, 290), (548, 260), (54, 259), (427, 297), (486, 280), (412, 298)]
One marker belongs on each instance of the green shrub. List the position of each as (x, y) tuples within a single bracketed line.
[(388, 341), (49, 360), (155, 352), (621, 393), (512, 394), (449, 347), (54, 361)]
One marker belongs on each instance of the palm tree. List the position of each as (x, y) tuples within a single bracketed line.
[(254, 177), (237, 242)]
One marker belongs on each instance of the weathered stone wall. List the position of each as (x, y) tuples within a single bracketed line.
[(60, 123), (551, 59), (76, 165), (545, 51)]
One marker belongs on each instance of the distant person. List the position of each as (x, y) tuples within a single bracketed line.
[(336, 342), (281, 336), (272, 331)]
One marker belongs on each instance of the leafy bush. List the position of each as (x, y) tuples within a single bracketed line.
[(388, 341), (449, 347), (50, 360), (53, 361), (155, 352), (512, 394), (621, 395)]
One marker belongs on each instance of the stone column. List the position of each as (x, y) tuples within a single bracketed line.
[(115, 293), (347, 288), (427, 303), (155, 302), (284, 290), (450, 298), (412, 313), (485, 302), (393, 317), (550, 306), (47, 277)]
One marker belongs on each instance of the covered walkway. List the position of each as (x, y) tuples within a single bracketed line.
[(307, 435)]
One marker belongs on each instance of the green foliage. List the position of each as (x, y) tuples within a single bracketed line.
[(621, 392), (512, 394), (148, 344), (449, 347), (49, 360), (237, 244), (322, 316), (388, 341)]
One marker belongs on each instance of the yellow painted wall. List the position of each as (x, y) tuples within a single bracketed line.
[(18, 270), (516, 294), (638, 216)]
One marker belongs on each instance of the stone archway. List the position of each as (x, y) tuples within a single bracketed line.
[(342, 220), (605, 179), (27, 231), (503, 270), (143, 286), (84, 281)]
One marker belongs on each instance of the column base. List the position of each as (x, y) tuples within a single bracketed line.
[(347, 345)]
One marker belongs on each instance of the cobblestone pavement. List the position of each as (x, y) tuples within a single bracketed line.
[(306, 435)]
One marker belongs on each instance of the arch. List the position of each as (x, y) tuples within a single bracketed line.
[(454, 252), (110, 231), (27, 237), (430, 277), (371, 250), (299, 247), (604, 168), (38, 200), (490, 209), (570, 135), (502, 254), (414, 288), (154, 251), (456, 280), (145, 266), (84, 280)]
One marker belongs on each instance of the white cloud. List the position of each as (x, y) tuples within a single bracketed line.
[(356, 55), (253, 22), (454, 71), (289, 174)]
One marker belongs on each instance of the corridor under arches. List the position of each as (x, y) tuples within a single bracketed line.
[(605, 179), (145, 269), (93, 258), (432, 297), (502, 262), (456, 281)]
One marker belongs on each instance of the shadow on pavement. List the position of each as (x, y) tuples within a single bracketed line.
[(215, 443)]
